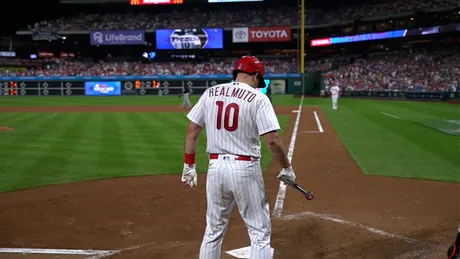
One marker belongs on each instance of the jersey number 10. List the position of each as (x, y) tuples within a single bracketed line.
[(227, 116)]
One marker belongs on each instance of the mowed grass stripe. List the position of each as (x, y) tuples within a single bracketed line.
[(28, 129), (111, 148), (39, 167), (58, 156), (420, 112), (66, 147), (16, 121), (384, 145), (165, 137), (385, 153), (422, 137)]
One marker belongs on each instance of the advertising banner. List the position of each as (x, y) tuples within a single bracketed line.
[(103, 88), (207, 38), (134, 37), (278, 86), (385, 35), (261, 34), (7, 54), (232, 1), (45, 35), (45, 54), (149, 2)]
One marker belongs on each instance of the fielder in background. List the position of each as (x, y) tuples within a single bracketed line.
[(186, 91), (335, 92), (235, 115)]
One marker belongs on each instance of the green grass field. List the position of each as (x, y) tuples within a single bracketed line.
[(51, 148)]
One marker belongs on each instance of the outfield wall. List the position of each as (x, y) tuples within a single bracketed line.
[(133, 85)]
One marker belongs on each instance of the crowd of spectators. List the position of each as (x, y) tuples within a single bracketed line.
[(66, 67), (279, 16), (400, 71)]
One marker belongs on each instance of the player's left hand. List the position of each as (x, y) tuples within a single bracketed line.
[(189, 176), (288, 174)]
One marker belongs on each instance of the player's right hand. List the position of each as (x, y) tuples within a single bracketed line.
[(288, 174), (189, 176)]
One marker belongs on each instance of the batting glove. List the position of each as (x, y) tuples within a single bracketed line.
[(189, 176), (287, 174)]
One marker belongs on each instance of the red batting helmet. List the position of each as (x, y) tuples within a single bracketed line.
[(251, 65)]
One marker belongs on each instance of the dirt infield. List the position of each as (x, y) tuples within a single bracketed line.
[(353, 215)]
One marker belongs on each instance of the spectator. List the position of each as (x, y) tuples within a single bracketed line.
[(287, 16)]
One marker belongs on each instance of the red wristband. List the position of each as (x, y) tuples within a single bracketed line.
[(189, 159)]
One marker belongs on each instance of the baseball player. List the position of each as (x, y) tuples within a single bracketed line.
[(235, 115), (186, 97), (335, 92)]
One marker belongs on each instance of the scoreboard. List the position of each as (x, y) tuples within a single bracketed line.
[(127, 85), (134, 87), (41, 88), (155, 2)]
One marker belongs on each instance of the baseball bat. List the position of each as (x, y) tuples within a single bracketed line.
[(308, 195)]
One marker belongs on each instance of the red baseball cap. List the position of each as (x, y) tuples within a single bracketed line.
[(251, 65)]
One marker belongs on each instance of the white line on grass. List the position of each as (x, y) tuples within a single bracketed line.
[(390, 115), (320, 127), (349, 223), (278, 209)]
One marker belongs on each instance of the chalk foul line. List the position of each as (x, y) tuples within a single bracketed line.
[(278, 208), (90, 253), (348, 223), (390, 115), (113, 252), (318, 122), (54, 251)]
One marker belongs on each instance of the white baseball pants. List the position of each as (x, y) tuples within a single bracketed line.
[(230, 181), (186, 101), (334, 102)]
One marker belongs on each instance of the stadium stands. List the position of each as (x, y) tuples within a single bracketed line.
[(262, 17), (381, 71), (400, 71)]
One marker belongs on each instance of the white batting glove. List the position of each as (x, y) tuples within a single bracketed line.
[(189, 176), (288, 175)]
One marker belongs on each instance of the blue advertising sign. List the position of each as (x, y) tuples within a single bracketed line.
[(103, 88), (134, 37), (207, 38)]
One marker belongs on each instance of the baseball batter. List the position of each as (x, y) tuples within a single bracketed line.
[(335, 92), (235, 115), (186, 97)]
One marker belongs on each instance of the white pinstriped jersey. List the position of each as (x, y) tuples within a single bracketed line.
[(335, 91), (235, 115)]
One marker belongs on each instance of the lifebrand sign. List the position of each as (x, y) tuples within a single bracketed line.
[(261, 34)]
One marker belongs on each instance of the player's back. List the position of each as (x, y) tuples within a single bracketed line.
[(230, 118)]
